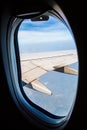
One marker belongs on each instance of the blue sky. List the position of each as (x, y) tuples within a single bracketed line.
[(52, 30)]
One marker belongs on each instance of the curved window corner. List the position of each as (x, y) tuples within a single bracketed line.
[(43, 68)]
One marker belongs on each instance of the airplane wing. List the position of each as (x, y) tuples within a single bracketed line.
[(34, 65)]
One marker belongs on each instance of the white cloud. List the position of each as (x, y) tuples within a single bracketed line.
[(28, 37)]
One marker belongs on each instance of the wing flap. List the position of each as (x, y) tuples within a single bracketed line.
[(70, 70), (67, 69)]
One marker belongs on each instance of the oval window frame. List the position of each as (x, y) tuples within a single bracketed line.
[(18, 97)]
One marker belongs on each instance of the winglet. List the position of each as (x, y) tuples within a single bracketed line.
[(37, 85)]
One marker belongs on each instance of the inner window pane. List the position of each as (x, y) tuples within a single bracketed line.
[(49, 64)]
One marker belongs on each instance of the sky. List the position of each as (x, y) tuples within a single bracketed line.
[(52, 30)]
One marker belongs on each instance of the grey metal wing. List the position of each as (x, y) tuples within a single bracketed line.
[(35, 65)]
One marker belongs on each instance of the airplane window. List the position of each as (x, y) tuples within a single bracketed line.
[(49, 64)]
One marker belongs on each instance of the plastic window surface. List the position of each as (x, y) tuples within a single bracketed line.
[(49, 64)]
